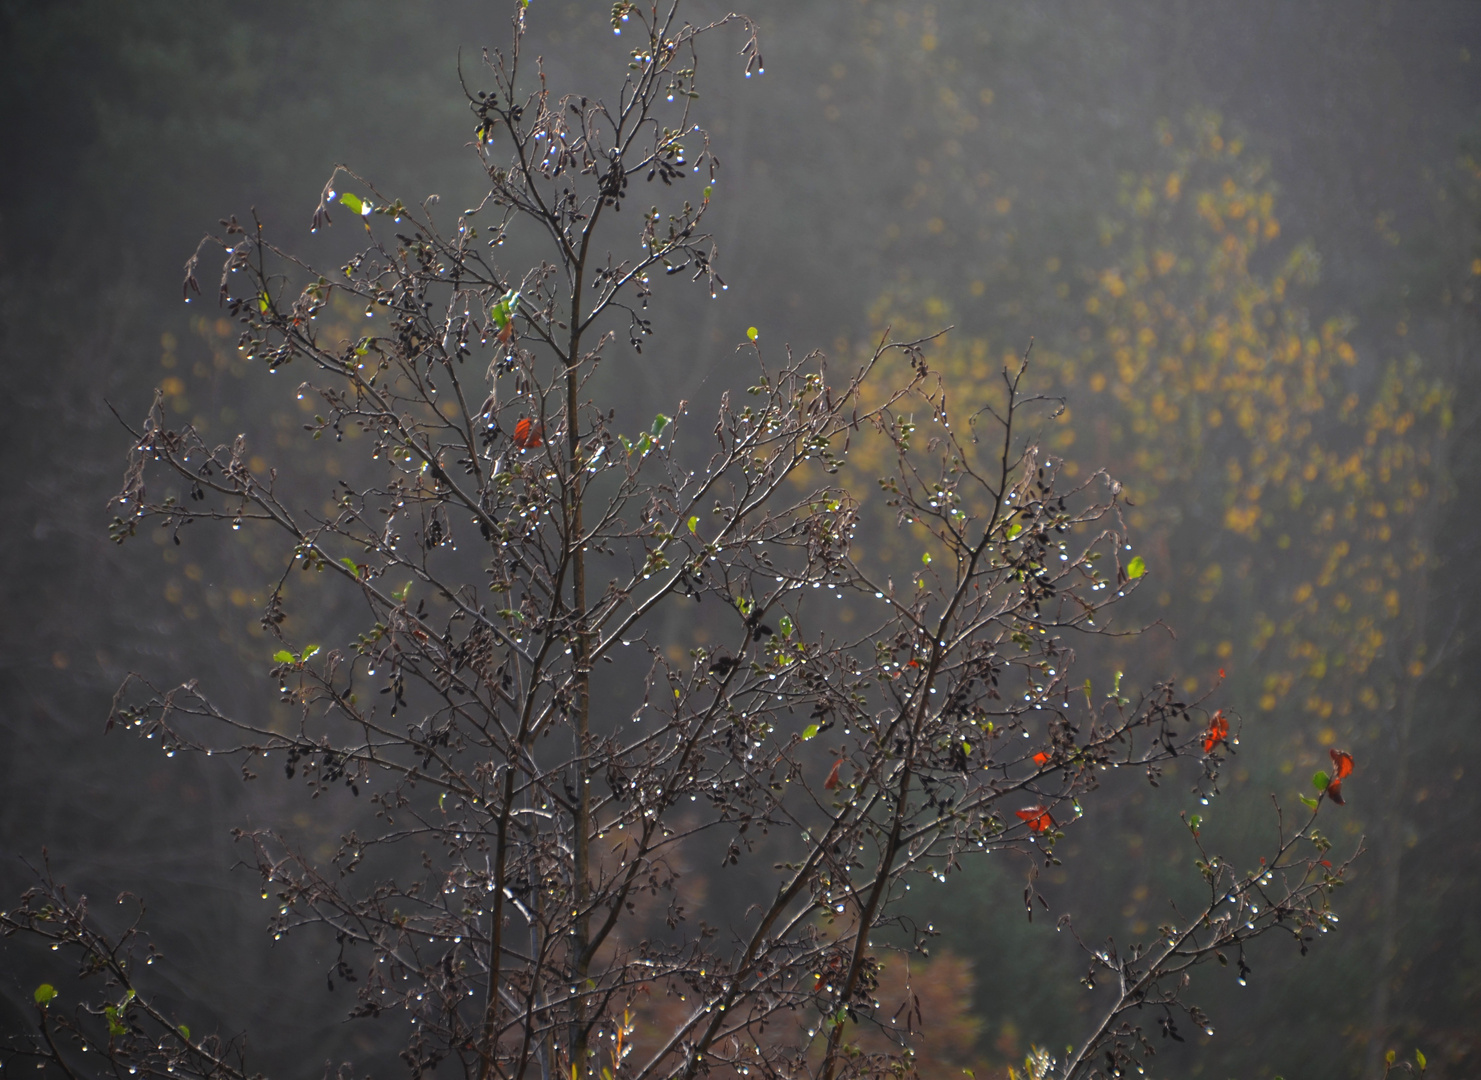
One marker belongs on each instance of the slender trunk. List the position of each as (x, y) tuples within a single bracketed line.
[(580, 649), (1393, 827), (496, 930), (1391, 866), (1390, 876), (866, 920)]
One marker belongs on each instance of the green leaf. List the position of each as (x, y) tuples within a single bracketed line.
[(809, 732), (312, 650), (1136, 568), (1014, 529), (347, 561), (1195, 821), (283, 656), (627, 444), (966, 747), (400, 594), (1389, 1057), (785, 622), (1419, 1058), (659, 423), (1320, 780), (263, 302), (354, 202), (752, 333), (115, 1024), (709, 188), (44, 993), (925, 558), (504, 308), (1310, 802), (694, 524), (1087, 692), (184, 1031)]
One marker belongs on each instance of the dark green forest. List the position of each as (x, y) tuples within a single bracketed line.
[(1244, 240)]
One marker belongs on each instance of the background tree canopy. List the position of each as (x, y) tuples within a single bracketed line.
[(1244, 240)]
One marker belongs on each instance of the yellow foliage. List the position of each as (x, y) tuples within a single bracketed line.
[(1226, 393)]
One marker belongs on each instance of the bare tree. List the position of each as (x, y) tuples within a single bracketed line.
[(540, 762)]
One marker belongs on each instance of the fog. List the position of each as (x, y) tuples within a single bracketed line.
[(915, 165)]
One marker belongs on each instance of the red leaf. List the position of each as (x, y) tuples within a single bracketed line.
[(832, 781), (1342, 766), (913, 663), (1037, 817), (1041, 757), (1218, 731), (1221, 673), (528, 435)]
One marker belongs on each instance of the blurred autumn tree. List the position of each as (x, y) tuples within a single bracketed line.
[(1291, 498)]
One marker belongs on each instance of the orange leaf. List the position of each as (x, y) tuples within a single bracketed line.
[(1037, 817), (528, 435), (1218, 731), (1342, 766), (832, 781), (1041, 757)]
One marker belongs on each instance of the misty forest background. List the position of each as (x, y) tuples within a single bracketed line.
[(1245, 238)]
